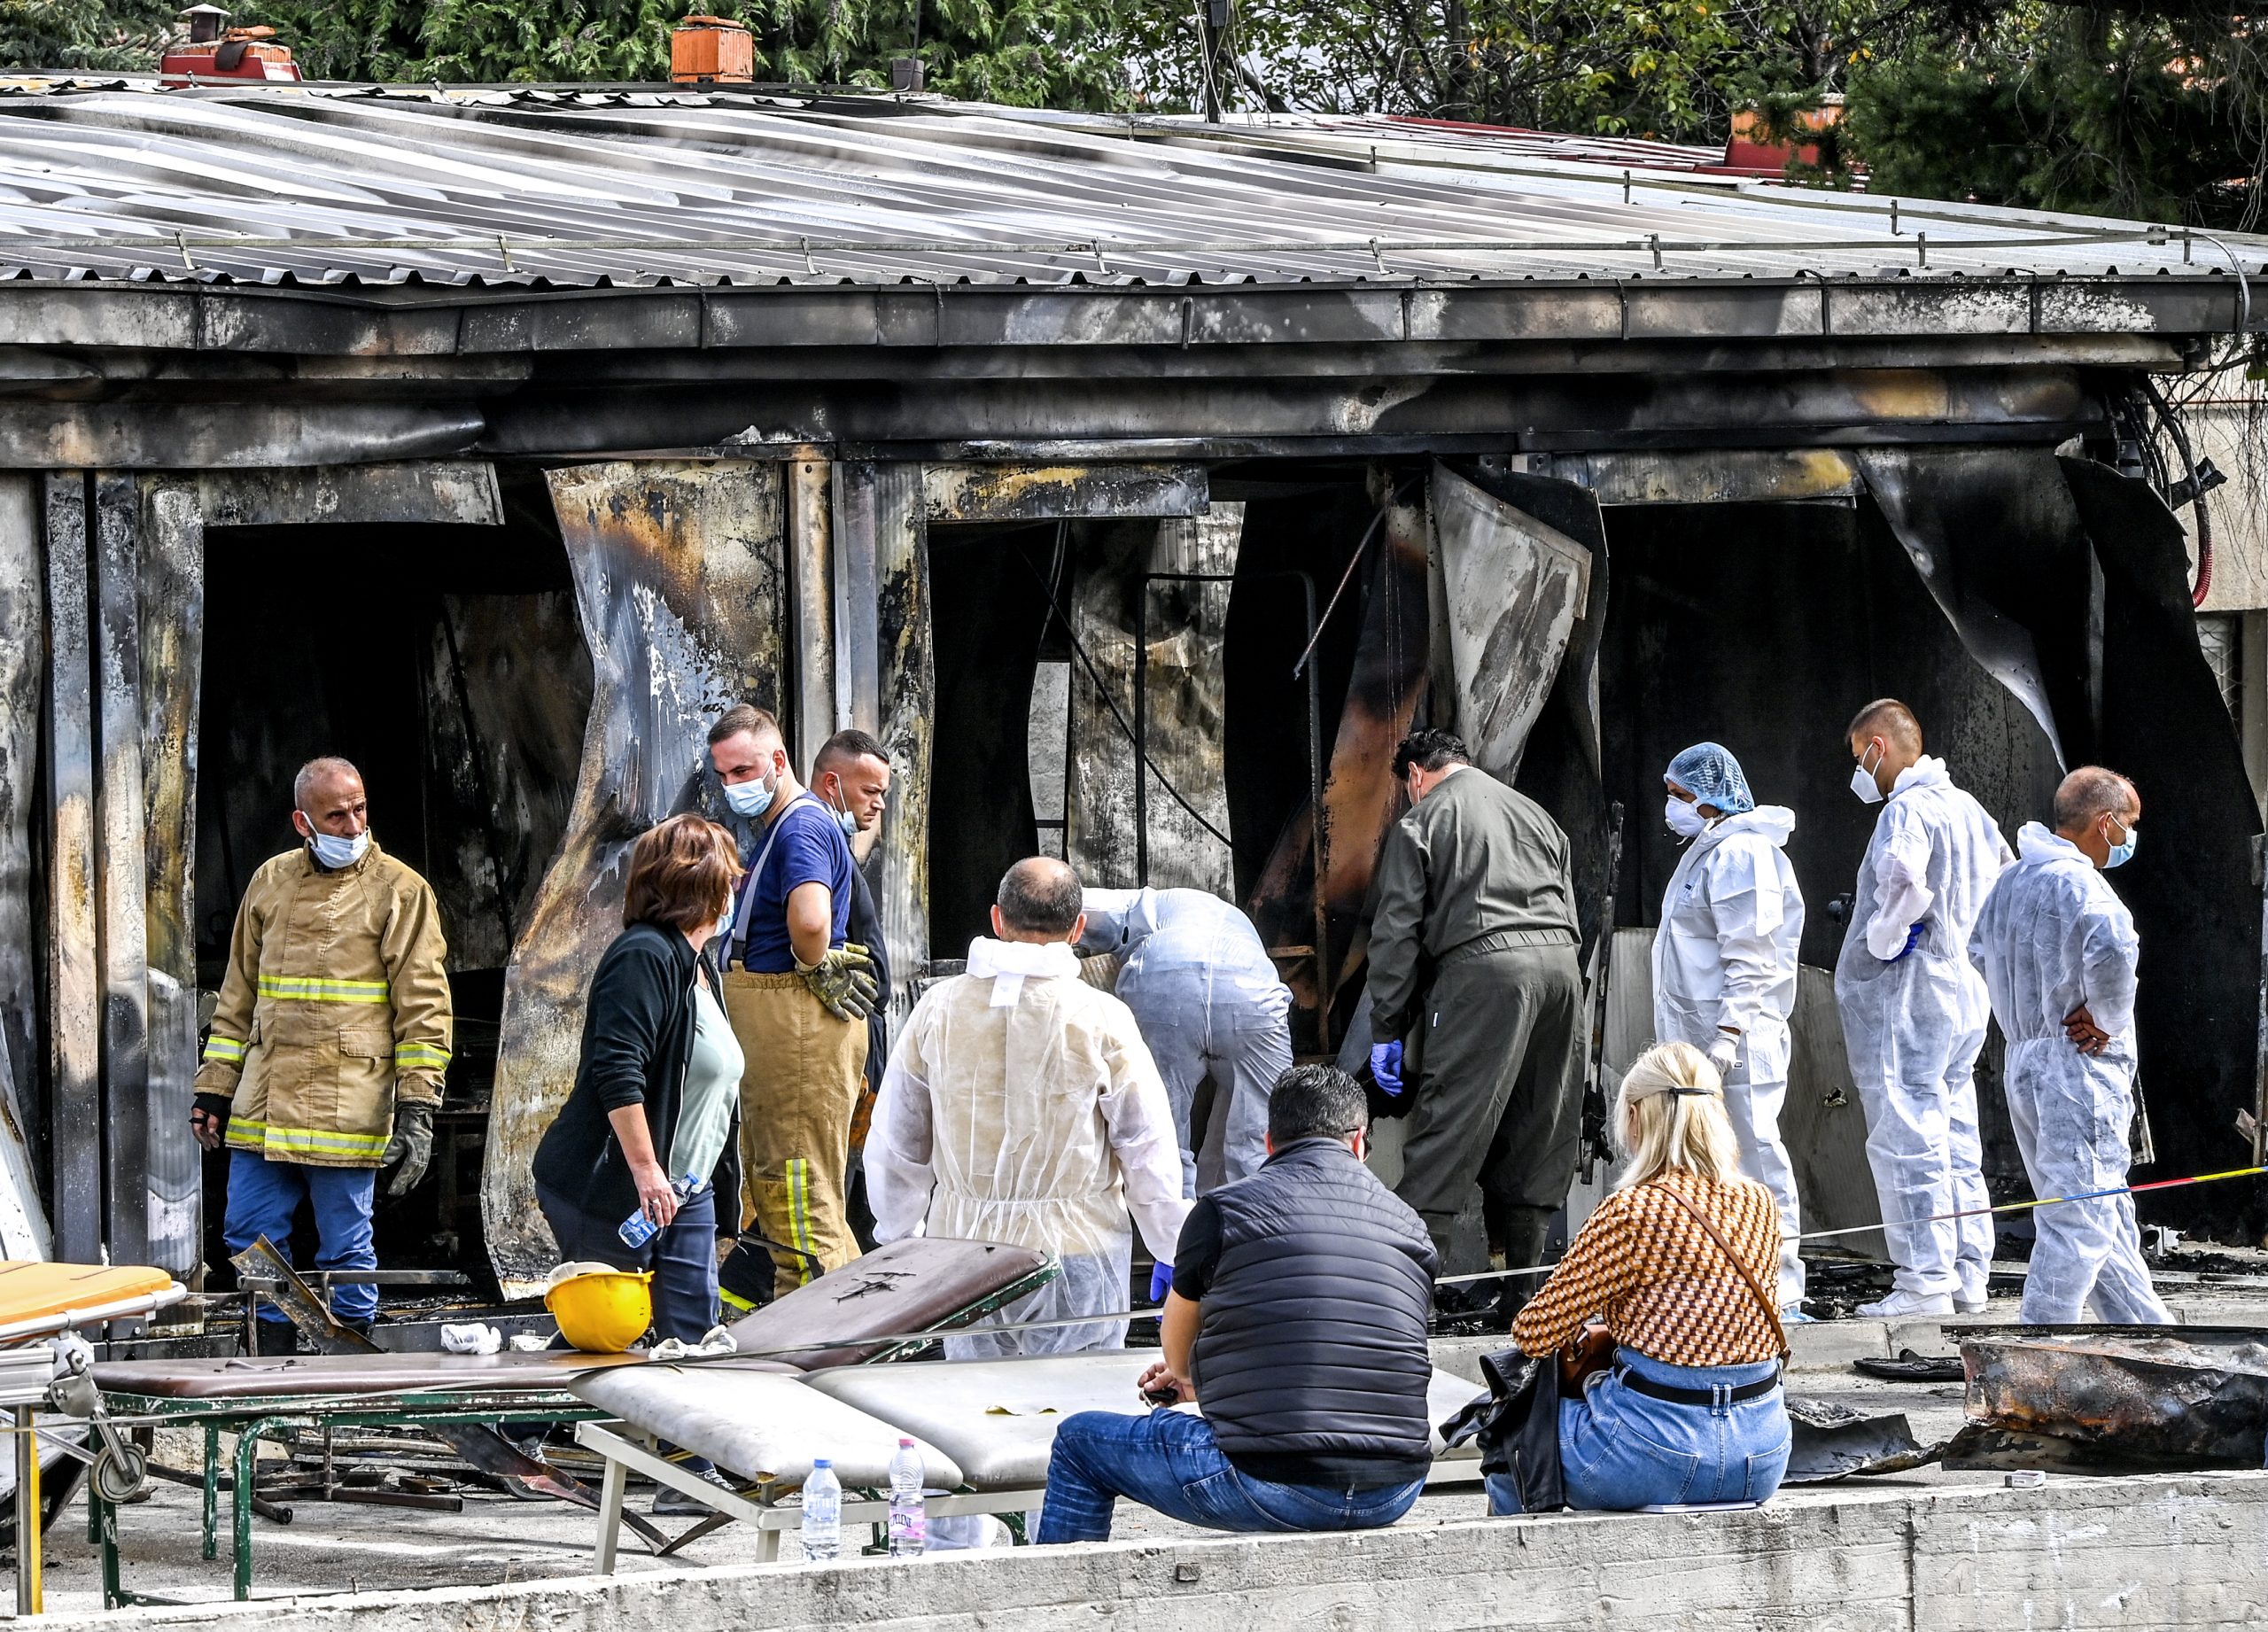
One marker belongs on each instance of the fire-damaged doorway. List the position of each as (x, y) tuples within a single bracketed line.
[(448, 663)]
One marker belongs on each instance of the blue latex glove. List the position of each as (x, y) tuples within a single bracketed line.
[(1160, 1282), (1386, 1067), (1913, 939)]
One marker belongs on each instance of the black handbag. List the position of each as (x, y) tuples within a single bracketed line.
[(1516, 1424)]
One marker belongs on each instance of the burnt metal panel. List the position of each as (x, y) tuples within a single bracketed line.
[(1715, 475), (1994, 537), (74, 982), (885, 684), (172, 618), (682, 586), (1015, 492), (1515, 589), (1149, 608), (143, 436), (2192, 888), (2117, 1398), (819, 712), (439, 490), (1360, 796), (121, 882), (23, 645)]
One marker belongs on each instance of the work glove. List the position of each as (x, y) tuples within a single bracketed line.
[(1160, 1282), (1386, 1067), (1913, 939), (216, 1109), (843, 980), (412, 1145), (1724, 1054)]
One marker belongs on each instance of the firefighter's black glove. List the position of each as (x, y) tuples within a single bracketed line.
[(208, 1118), (412, 1145)]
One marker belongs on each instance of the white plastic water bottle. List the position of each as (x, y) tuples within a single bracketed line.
[(822, 1513), (908, 1510)]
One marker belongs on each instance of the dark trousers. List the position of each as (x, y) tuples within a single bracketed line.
[(1500, 1101), (683, 1257)]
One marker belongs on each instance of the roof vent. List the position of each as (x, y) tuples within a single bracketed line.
[(711, 51), (215, 51), (907, 75)]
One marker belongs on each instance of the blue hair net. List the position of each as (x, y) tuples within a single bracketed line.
[(1712, 775)]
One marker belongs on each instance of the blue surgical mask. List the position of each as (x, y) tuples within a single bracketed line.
[(2121, 854), (750, 799), (334, 852)]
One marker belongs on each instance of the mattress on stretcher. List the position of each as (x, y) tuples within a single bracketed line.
[(998, 1418), (29, 1289), (762, 1425), (909, 1286)]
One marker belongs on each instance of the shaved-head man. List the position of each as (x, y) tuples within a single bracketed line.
[(1021, 1106), (1915, 1012), (2058, 951), (330, 1041)]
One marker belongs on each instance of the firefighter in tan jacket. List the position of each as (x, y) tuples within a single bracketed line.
[(326, 1055)]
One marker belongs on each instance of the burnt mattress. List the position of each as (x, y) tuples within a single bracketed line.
[(915, 1285)]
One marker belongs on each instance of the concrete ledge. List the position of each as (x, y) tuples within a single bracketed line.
[(2176, 1550)]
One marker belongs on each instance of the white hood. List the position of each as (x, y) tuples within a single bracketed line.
[(2037, 845), (1008, 964)]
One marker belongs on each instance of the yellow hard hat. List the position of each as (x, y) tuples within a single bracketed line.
[(601, 1310)]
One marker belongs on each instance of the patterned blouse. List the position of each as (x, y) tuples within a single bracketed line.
[(1665, 1289)]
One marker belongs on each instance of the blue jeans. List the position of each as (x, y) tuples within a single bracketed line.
[(1168, 1460), (1621, 1450), (264, 1197), (683, 1257)]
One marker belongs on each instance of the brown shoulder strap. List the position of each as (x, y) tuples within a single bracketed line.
[(1771, 1308)]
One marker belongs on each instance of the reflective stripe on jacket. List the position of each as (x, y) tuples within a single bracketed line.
[(336, 1002)]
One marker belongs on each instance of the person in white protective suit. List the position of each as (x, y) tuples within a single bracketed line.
[(1209, 1003), (1020, 1104), (1914, 1012), (1725, 966), (2058, 950)]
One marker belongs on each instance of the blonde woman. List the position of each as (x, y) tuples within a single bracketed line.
[(1675, 1263)]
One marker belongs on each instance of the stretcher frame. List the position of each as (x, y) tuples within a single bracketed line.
[(254, 1417)]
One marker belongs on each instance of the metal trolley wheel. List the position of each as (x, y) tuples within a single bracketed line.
[(120, 1472)]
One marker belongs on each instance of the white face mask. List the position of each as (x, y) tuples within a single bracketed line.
[(1862, 781), (1684, 817), (750, 799), (335, 852)]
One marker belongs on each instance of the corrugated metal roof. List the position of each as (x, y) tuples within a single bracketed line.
[(580, 187)]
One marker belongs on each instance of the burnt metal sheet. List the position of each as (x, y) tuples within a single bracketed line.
[(172, 617), (145, 436), (1152, 594), (1832, 1442), (501, 186), (1716, 476), (23, 643), (74, 982), (1992, 532), (1015, 492), (2114, 1397), (818, 711), (121, 882), (435, 490), (682, 582), (2193, 890), (884, 682), (1360, 796), (1515, 588)]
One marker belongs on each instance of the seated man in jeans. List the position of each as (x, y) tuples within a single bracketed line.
[(1297, 1317)]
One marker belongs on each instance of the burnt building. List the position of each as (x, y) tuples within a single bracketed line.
[(1137, 481)]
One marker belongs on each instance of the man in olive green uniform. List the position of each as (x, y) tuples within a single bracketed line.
[(327, 1053), (1476, 998)]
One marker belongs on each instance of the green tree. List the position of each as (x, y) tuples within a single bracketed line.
[(98, 35)]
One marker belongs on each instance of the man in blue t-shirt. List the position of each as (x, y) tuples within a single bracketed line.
[(798, 997)]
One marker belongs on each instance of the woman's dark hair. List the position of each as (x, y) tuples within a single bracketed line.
[(682, 873)]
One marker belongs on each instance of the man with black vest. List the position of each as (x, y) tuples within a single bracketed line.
[(1297, 1315)]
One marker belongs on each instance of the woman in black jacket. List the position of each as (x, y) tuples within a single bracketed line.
[(655, 1111)]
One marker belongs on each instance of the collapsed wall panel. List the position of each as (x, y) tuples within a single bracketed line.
[(74, 994), (680, 575), (121, 877), (23, 641)]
